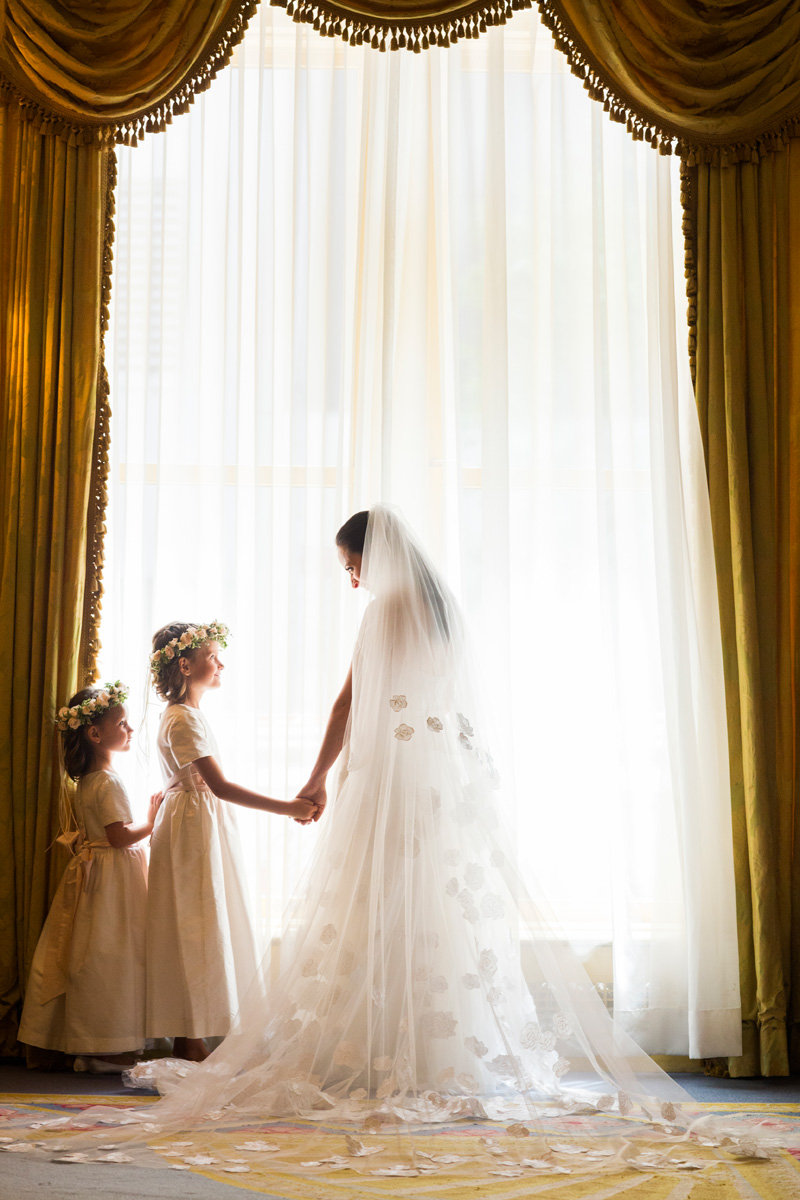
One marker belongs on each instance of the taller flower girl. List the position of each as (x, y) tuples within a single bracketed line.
[(201, 951)]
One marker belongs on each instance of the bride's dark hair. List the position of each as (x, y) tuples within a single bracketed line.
[(353, 533)]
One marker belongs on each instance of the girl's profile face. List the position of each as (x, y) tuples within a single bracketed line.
[(205, 666), (113, 731), (352, 564)]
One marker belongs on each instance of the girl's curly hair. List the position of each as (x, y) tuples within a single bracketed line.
[(170, 682)]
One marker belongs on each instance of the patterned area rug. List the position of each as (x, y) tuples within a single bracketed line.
[(311, 1161)]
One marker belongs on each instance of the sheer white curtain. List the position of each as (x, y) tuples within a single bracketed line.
[(445, 281)]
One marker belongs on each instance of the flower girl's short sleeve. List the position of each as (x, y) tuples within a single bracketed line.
[(188, 736), (112, 802)]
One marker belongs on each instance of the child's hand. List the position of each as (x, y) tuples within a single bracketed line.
[(302, 809), (154, 805)]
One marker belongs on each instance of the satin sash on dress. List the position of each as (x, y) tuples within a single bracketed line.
[(55, 975)]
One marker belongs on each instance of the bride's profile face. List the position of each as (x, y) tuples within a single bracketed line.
[(352, 564)]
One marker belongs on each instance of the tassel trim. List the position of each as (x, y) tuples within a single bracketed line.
[(98, 489), (689, 228), (129, 130), (416, 32)]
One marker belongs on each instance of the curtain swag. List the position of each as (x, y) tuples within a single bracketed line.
[(719, 85), (113, 73)]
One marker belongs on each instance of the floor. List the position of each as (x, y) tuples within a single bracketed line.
[(22, 1179)]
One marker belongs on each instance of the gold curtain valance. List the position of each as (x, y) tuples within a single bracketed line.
[(105, 73), (714, 82)]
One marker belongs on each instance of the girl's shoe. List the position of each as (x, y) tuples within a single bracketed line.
[(99, 1066)]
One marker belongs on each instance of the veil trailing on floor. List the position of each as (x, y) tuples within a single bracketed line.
[(420, 980)]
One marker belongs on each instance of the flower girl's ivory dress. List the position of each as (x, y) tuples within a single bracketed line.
[(200, 946), (86, 987)]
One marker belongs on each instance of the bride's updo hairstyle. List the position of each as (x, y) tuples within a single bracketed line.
[(170, 682), (353, 533)]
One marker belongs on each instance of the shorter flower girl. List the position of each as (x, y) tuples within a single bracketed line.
[(86, 989)]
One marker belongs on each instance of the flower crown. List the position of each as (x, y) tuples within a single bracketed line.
[(92, 707), (190, 639)]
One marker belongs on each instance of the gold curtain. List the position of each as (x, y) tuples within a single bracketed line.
[(743, 244), (53, 199), (75, 77)]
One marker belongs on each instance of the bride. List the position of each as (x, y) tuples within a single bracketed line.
[(418, 978)]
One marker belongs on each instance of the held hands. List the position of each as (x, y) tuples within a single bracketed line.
[(303, 809), (317, 794)]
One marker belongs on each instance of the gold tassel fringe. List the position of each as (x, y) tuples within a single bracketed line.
[(689, 228), (415, 33), (98, 489)]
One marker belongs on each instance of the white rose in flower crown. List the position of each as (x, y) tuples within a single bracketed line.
[(187, 636), (74, 723), (74, 711)]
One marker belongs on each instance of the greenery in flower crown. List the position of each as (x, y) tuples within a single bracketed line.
[(190, 639), (92, 707)]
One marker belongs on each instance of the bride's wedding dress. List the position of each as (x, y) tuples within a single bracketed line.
[(419, 980)]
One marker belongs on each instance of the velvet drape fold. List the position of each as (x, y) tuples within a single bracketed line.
[(716, 82), (75, 77)]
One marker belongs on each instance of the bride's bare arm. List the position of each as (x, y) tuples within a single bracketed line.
[(331, 746)]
